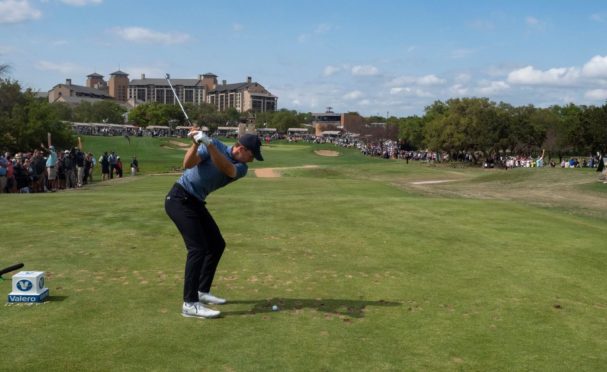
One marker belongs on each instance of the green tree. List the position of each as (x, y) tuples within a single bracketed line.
[(25, 120), (283, 120), (411, 132)]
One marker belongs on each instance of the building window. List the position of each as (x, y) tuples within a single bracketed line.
[(189, 96), (257, 105), (141, 94), (270, 105), (231, 100), (160, 95)]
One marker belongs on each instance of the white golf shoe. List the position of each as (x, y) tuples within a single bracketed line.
[(197, 310), (208, 298)]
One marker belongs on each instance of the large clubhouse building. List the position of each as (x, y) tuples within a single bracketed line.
[(245, 96)]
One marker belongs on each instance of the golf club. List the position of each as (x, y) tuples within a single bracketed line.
[(9, 269), (168, 77)]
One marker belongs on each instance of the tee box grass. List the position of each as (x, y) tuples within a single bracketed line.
[(370, 269)]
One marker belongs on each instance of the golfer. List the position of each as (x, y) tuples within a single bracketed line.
[(209, 165)]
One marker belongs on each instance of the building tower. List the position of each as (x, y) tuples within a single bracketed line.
[(119, 85), (209, 81), (95, 81)]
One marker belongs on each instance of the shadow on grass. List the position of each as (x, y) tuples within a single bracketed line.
[(351, 308)]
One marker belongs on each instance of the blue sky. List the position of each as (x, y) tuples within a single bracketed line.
[(374, 57)]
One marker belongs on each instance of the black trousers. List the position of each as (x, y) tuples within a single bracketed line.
[(202, 239)]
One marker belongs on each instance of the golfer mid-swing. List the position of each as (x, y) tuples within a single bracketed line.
[(209, 165)]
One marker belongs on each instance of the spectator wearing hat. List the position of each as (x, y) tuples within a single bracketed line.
[(209, 165), (51, 168), (118, 167), (69, 168)]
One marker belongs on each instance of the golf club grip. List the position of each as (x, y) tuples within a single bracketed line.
[(11, 268)]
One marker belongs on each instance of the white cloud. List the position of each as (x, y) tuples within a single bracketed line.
[(554, 76), (81, 2), (462, 78), (458, 90), (65, 68), (364, 70), (596, 67), (597, 94), (491, 87), (430, 80), (144, 35), (330, 70), (318, 30), (410, 92), (15, 11), (356, 94), (237, 27), (418, 80)]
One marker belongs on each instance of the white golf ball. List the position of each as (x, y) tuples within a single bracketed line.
[(274, 308)]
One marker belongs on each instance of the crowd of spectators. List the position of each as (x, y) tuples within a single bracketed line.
[(46, 169)]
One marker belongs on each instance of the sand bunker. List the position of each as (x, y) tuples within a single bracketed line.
[(430, 182), (275, 172), (180, 144), (326, 153)]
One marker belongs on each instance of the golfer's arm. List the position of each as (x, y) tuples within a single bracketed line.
[(191, 157), (221, 162)]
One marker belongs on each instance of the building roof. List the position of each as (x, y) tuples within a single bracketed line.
[(94, 74), (85, 90), (222, 88), (73, 100), (161, 82), (121, 73)]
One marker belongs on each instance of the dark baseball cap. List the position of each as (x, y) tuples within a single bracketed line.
[(252, 142)]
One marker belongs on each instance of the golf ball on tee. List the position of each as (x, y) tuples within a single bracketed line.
[(274, 308)]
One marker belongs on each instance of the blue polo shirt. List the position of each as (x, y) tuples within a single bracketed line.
[(204, 178), (51, 161)]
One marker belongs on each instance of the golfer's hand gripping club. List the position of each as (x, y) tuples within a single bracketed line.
[(199, 137)]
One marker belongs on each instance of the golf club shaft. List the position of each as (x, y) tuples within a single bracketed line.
[(11, 268), (178, 101)]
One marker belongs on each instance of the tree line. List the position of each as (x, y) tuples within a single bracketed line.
[(478, 125), (470, 125)]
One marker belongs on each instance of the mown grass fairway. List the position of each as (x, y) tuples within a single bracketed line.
[(371, 270)]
